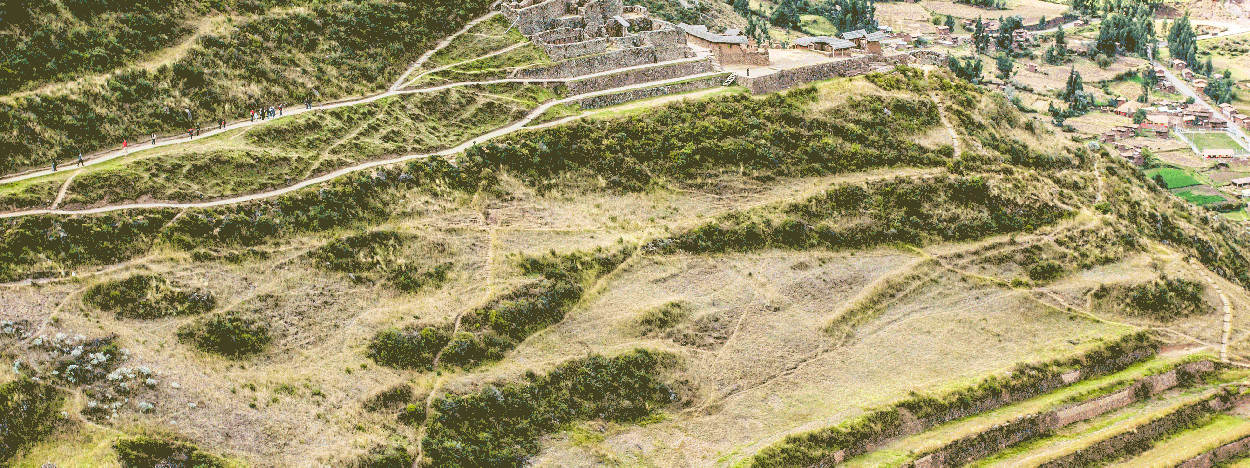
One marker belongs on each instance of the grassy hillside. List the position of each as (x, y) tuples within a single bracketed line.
[(265, 57), (706, 279)]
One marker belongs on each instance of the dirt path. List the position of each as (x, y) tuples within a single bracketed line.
[(440, 46), (506, 130), (445, 67), (950, 128), (64, 188), (1228, 309)]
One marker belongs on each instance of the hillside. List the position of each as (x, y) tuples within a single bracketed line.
[(624, 259), (733, 284), (253, 54)]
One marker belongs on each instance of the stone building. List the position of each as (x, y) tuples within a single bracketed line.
[(570, 29), (831, 46), (728, 49)]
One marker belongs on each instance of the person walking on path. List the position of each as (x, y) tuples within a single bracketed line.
[(153, 139), (126, 146), (80, 163), (53, 164), (253, 115), (279, 109), (191, 133), (307, 104)]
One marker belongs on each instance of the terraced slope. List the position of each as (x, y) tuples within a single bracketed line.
[(809, 277)]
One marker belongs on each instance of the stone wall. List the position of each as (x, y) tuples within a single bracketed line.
[(592, 64), (608, 100), (1136, 440), (536, 18), (1000, 437), (560, 52), (786, 79), (1222, 454), (640, 75)]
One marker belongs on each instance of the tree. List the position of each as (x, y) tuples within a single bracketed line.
[(950, 22), (1075, 86), (981, 37), (1005, 64), (1006, 27), (742, 6), (969, 68), (1061, 41), (786, 15), (849, 15), (1182, 42), (1139, 116)]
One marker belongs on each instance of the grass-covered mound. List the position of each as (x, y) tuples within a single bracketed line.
[(501, 425), (853, 216), (232, 335), (1165, 299), (149, 452), (148, 297), (404, 261), (28, 412)]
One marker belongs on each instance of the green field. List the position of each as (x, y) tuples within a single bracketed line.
[(1206, 141), (1199, 198), (1174, 178)]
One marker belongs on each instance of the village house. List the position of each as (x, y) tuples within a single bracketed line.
[(944, 32), (1218, 153), (1187, 74), (1200, 85), (1128, 108), (1178, 64), (831, 46), (1242, 182), (729, 49), (1020, 38), (1157, 130)]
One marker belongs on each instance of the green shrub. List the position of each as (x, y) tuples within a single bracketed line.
[(28, 412), (1045, 270), (148, 297), (148, 452), (229, 335), (410, 349), (1169, 298), (501, 425), (384, 256), (664, 317)]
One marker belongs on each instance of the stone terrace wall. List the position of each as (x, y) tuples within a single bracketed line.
[(536, 18), (786, 79), (559, 52), (1225, 453), (999, 437), (593, 64), (1133, 441), (609, 100), (1050, 23), (640, 75)]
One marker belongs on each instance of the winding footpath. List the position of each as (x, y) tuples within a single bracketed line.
[(1228, 310), (109, 155), (506, 130)]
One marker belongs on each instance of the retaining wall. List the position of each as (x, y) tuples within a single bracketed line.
[(1002, 436), (786, 79), (640, 75), (588, 65), (559, 52), (1225, 453), (598, 102), (1137, 440)]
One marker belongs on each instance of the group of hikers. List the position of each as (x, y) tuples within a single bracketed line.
[(192, 132), (270, 112)]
